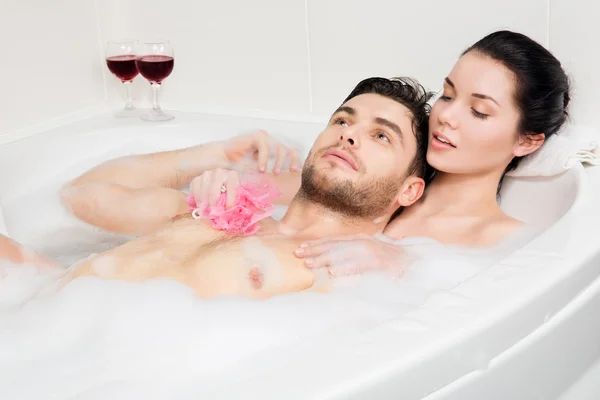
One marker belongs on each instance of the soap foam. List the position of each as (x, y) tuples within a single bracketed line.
[(95, 332), (20, 282), (100, 338), (40, 222)]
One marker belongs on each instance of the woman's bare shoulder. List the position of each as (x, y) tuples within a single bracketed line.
[(494, 230)]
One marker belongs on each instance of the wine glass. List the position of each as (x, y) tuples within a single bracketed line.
[(120, 59), (155, 63)]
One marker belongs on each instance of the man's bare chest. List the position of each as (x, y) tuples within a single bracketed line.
[(254, 266)]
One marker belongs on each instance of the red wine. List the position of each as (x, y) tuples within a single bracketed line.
[(155, 68), (123, 66)]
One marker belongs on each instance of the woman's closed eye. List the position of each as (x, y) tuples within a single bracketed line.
[(478, 114)]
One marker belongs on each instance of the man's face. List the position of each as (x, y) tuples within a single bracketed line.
[(358, 164)]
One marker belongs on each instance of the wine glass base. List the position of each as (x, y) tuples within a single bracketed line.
[(127, 113), (156, 116)]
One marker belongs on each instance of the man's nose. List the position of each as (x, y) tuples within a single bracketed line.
[(351, 136)]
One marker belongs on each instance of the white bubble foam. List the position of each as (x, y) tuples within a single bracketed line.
[(20, 282), (104, 338), (95, 332)]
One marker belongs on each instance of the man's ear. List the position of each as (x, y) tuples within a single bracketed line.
[(410, 191), (529, 143)]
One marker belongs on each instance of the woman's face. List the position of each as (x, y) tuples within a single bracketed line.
[(474, 124)]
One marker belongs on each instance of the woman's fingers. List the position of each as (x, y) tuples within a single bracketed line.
[(326, 254), (347, 255), (338, 238)]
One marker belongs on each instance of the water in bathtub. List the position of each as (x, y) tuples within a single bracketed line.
[(97, 336)]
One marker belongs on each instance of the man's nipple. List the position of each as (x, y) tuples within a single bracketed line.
[(256, 277)]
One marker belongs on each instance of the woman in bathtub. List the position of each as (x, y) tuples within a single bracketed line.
[(505, 95)]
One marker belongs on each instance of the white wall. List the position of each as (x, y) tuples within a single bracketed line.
[(305, 56), (291, 59), (228, 54), (575, 40), (351, 40), (49, 61)]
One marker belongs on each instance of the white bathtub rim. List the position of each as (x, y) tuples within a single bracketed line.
[(100, 117), (563, 316)]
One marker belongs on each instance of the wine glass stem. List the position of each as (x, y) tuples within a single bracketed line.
[(129, 101), (155, 89)]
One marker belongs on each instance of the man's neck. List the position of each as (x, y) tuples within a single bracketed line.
[(307, 219)]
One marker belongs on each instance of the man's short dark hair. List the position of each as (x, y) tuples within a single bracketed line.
[(412, 95)]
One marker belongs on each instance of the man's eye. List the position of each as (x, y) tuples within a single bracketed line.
[(383, 136)]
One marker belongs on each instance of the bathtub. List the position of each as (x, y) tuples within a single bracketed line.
[(526, 328)]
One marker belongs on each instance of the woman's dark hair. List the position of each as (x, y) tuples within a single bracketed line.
[(541, 85)]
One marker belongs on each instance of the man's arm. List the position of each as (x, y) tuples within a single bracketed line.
[(125, 210), (122, 209), (169, 169), (139, 194)]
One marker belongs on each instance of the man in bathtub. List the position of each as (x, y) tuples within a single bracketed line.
[(367, 162)]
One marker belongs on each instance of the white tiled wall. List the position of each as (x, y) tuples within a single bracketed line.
[(305, 56), (49, 61), (354, 39), (228, 54), (575, 40), (291, 58)]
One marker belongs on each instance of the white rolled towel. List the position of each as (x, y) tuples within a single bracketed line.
[(575, 144)]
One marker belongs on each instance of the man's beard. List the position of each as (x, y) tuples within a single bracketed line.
[(367, 200)]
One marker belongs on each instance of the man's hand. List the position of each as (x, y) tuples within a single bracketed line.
[(207, 187), (258, 147)]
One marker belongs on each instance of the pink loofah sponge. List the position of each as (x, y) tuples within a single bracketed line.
[(254, 201)]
